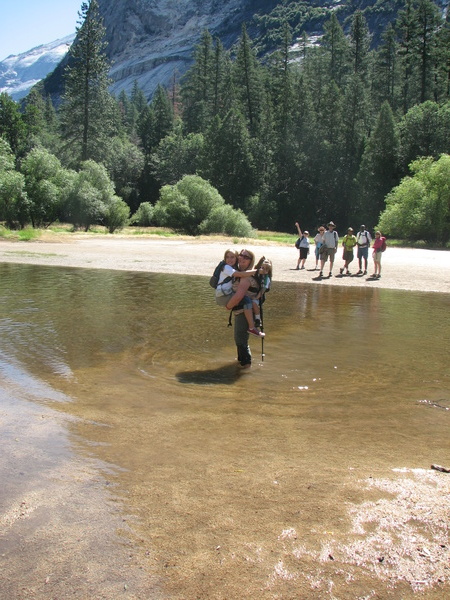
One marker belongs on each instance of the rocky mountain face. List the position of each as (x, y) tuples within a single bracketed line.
[(151, 41), (18, 73)]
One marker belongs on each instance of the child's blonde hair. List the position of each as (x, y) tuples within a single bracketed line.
[(267, 266), (233, 252)]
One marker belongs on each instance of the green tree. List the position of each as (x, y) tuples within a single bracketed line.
[(186, 204), (379, 171), (163, 111), (177, 155), (13, 198), (386, 75), (228, 221), (424, 131), (198, 88), (359, 44), (88, 111), (228, 160), (282, 85), (247, 80), (194, 206), (90, 195), (46, 184), (406, 26), (144, 215), (125, 163), (428, 21), (117, 214), (336, 45), (442, 61), (419, 207), (12, 126)]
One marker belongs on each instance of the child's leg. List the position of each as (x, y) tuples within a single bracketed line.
[(257, 313), (248, 312)]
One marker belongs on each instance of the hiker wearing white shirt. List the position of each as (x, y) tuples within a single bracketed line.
[(363, 241), (330, 241)]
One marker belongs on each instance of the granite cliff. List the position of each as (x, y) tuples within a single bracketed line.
[(151, 40)]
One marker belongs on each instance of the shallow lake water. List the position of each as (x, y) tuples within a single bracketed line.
[(247, 470)]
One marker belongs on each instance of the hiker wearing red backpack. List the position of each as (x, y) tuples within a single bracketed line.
[(379, 246)]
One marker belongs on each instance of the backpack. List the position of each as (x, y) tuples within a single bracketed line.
[(214, 279), (297, 243), (383, 245)]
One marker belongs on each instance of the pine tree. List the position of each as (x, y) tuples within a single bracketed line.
[(88, 110), (282, 85), (247, 80), (386, 75), (428, 20), (442, 62), (197, 91), (406, 27), (336, 45), (359, 44), (163, 111), (228, 160), (379, 170), (12, 126)]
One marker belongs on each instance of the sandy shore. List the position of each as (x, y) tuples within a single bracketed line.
[(402, 268)]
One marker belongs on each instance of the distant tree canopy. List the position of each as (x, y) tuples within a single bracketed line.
[(310, 132), (419, 207)]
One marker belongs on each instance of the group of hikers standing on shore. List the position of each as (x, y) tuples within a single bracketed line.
[(326, 243)]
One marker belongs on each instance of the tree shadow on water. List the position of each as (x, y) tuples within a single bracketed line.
[(227, 374)]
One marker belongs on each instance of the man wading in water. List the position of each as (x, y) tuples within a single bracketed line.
[(248, 286)]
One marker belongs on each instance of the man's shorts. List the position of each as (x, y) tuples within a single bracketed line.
[(328, 252), (348, 256), (363, 252)]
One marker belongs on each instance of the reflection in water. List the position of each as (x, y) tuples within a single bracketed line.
[(351, 387)]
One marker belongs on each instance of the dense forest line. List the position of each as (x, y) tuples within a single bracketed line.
[(337, 130)]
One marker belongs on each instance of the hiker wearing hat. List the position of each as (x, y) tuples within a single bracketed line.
[(328, 250), (348, 243)]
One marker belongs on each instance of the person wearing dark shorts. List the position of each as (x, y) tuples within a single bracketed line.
[(363, 241)]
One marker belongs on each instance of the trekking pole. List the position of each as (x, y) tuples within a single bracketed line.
[(262, 329)]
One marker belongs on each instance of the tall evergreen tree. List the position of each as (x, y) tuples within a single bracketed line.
[(379, 171), (282, 85), (163, 111), (337, 47), (442, 62), (428, 20), (386, 75), (197, 91), (247, 80), (229, 164), (88, 110), (406, 27), (12, 126), (359, 44)]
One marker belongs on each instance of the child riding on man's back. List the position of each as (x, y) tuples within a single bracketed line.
[(266, 273), (224, 289)]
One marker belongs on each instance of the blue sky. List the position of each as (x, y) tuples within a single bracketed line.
[(25, 24)]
